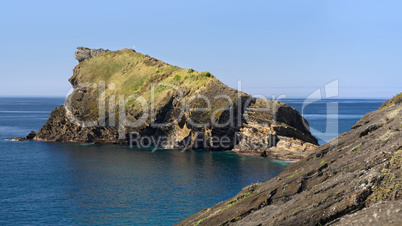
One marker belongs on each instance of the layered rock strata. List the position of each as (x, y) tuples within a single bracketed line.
[(354, 179), (121, 93)]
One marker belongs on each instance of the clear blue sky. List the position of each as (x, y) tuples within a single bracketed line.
[(278, 47)]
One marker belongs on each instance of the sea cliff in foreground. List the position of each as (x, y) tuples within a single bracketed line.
[(120, 93), (354, 179)]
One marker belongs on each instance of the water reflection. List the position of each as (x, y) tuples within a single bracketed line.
[(111, 184)]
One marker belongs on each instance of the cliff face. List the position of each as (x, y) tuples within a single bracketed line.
[(355, 178), (281, 132), (118, 93)]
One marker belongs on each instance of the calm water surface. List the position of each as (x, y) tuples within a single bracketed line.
[(56, 183)]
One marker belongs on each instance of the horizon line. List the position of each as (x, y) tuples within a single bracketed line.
[(289, 97)]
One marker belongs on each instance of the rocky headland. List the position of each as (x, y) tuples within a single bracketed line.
[(355, 179), (121, 93)]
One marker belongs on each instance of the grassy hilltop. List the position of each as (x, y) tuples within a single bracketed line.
[(134, 73), (191, 105)]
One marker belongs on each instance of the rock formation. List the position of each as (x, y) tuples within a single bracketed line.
[(114, 90), (354, 179), (288, 137), (30, 136), (83, 53)]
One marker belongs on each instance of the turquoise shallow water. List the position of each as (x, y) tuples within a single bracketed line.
[(56, 183)]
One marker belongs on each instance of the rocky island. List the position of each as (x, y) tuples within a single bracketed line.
[(355, 179), (125, 97)]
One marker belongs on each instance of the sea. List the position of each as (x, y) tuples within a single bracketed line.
[(79, 184)]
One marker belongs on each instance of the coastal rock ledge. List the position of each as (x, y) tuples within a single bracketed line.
[(355, 179), (111, 89)]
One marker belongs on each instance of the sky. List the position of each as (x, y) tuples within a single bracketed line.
[(286, 47)]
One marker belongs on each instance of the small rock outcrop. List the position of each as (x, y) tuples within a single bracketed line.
[(354, 179), (30, 136), (84, 53)]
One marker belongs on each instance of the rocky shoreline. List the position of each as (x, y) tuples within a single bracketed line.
[(354, 179)]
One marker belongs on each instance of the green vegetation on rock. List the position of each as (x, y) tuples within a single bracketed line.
[(392, 101), (135, 73), (199, 222), (336, 186), (231, 204), (206, 74), (357, 149), (392, 182), (134, 93)]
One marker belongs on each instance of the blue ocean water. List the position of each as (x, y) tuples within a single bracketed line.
[(324, 124), (59, 183)]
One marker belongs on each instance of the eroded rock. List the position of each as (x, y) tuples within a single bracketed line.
[(340, 183), (84, 53), (232, 116)]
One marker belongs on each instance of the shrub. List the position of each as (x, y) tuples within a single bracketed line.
[(177, 77), (206, 74), (190, 70)]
